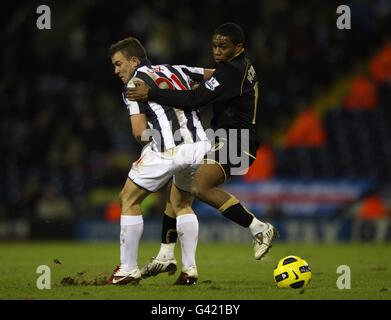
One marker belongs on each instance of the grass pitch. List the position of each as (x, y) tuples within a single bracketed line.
[(227, 271)]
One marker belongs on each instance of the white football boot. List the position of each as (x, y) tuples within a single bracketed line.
[(263, 241), (156, 266), (188, 276), (121, 277)]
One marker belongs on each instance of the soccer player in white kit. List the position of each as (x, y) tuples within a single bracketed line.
[(175, 143)]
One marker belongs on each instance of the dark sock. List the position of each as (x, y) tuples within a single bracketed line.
[(169, 234), (238, 214)]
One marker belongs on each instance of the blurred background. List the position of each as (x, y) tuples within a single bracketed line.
[(323, 172)]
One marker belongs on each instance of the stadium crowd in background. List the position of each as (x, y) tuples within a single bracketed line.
[(62, 124)]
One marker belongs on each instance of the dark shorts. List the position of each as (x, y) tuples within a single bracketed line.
[(233, 154)]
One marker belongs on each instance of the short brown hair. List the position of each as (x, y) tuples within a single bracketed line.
[(130, 47)]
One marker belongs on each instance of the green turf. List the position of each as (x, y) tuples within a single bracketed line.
[(227, 271)]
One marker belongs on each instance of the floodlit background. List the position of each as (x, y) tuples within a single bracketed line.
[(323, 171)]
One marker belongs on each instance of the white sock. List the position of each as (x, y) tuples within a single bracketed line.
[(166, 251), (257, 226), (131, 231), (187, 228)]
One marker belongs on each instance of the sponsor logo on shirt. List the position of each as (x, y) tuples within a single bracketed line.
[(212, 84)]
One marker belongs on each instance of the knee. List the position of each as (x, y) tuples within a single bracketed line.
[(123, 198), (121, 195), (182, 208), (195, 191), (199, 190), (183, 203), (120, 200)]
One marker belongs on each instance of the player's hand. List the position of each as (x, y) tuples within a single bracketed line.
[(139, 93)]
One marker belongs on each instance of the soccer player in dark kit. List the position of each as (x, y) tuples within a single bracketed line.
[(233, 92)]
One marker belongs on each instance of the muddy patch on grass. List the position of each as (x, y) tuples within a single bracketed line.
[(83, 279)]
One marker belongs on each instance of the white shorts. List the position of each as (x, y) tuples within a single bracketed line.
[(153, 169)]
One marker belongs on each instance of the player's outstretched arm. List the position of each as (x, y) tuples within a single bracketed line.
[(140, 92), (224, 84)]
